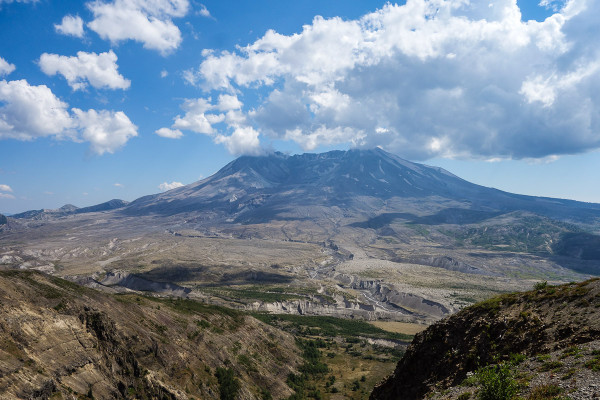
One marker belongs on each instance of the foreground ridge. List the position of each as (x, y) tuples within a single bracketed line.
[(513, 326)]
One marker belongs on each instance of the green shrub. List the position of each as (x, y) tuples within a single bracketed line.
[(497, 382), (551, 366), (543, 392), (265, 394), (540, 285), (517, 359), (228, 383), (572, 351), (594, 364)]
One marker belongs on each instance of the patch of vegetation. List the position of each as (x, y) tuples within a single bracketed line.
[(265, 394), (229, 385), (545, 392), (187, 306), (569, 374), (497, 382), (464, 298), (551, 366), (530, 234), (203, 323), (161, 329), (329, 326), (60, 306), (494, 304), (420, 229), (572, 351), (68, 285), (247, 362), (516, 359), (594, 364), (267, 295), (310, 370)]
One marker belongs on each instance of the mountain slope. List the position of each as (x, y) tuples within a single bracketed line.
[(69, 209), (532, 323), (58, 338), (259, 189), (106, 206)]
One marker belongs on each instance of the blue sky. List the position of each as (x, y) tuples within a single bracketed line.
[(122, 98)]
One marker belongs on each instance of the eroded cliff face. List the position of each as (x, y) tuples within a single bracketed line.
[(377, 301), (540, 321), (58, 337)]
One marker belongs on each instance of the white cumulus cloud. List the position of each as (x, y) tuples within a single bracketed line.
[(146, 21), (5, 67), (70, 26), (222, 119), (99, 70), (430, 78), (169, 133), (29, 112), (169, 186), (5, 188), (243, 140), (106, 131)]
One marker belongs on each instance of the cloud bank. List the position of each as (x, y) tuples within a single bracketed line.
[(30, 112), (431, 78)]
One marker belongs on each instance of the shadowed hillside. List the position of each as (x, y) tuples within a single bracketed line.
[(517, 331)]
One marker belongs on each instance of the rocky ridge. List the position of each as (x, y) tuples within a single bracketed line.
[(537, 326), (61, 339)]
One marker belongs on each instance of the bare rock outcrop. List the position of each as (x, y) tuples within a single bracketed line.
[(61, 339)]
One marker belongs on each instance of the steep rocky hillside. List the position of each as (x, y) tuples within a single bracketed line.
[(553, 330), (61, 340)]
